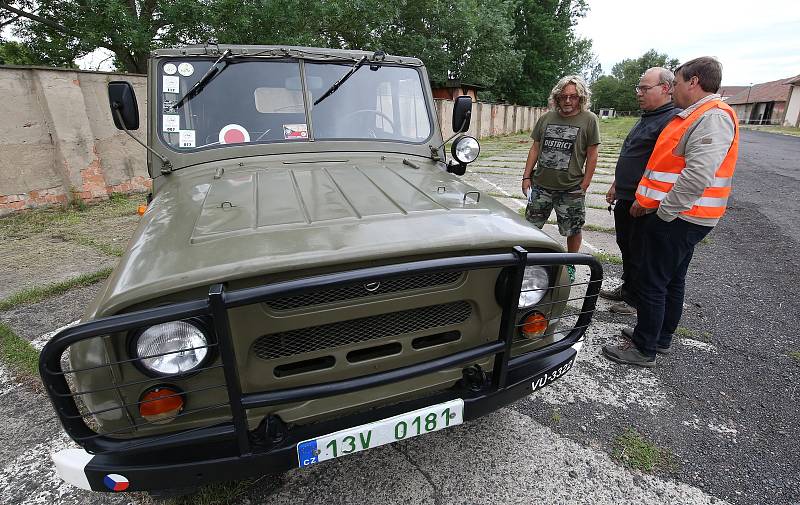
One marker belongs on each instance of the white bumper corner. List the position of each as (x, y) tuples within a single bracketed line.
[(70, 465)]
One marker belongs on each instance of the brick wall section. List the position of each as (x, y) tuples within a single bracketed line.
[(58, 141)]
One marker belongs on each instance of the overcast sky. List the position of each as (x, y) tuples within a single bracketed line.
[(756, 41)]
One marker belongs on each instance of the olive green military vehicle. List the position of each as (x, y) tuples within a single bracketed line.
[(311, 278)]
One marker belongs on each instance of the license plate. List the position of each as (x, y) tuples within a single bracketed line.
[(385, 431), (554, 374)]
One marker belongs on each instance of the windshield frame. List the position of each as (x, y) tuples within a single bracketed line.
[(158, 111)]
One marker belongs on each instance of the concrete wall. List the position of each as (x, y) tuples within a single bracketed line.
[(58, 141), (490, 119)]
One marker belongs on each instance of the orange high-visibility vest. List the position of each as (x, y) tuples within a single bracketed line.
[(664, 167)]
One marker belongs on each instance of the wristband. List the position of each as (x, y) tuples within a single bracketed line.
[(526, 178)]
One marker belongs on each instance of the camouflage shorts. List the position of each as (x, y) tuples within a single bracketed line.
[(569, 205)]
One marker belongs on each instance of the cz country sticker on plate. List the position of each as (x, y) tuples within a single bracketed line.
[(554, 374), (385, 431)]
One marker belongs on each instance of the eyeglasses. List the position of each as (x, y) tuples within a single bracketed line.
[(644, 89), (568, 98)]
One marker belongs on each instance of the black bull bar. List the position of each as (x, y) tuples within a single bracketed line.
[(235, 435)]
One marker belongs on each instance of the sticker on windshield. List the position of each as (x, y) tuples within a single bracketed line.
[(170, 68), (233, 134), (171, 122), (186, 69), (295, 131), (172, 84), (186, 138)]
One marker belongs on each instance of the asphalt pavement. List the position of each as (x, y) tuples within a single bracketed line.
[(723, 409)]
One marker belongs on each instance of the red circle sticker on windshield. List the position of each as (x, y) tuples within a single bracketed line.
[(233, 134)]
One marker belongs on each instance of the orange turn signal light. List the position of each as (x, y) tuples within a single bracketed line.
[(534, 325), (161, 404), (141, 209)]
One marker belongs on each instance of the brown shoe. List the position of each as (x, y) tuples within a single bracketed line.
[(628, 333), (623, 308), (612, 294)]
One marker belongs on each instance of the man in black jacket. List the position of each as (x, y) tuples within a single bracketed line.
[(654, 94)]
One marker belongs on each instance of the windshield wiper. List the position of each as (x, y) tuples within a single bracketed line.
[(341, 80), (199, 85)]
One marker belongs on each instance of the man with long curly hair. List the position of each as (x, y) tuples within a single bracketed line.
[(564, 153)]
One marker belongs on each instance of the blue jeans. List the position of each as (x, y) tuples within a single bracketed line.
[(667, 249)]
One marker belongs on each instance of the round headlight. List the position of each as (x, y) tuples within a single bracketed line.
[(466, 149), (175, 347), (535, 283)]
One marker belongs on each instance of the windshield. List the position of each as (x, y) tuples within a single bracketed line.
[(258, 101)]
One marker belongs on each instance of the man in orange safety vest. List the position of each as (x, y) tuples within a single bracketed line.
[(682, 195)]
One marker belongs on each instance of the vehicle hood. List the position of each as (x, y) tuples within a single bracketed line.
[(234, 222)]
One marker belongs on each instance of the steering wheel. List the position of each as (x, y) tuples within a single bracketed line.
[(375, 113)]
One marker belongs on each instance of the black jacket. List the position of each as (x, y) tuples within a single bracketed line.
[(638, 147)]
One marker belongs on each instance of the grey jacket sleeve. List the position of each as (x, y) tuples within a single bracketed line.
[(705, 146)]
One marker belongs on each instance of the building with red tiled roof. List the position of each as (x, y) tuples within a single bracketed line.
[(764, 103), (729, 91)]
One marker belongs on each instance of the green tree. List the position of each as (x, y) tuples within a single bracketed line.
[(14, 53), (515, 48), (466, 40), (606, 93), (616, 90), (545, 36), (61, 30)]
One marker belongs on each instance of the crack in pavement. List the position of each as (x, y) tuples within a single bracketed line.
[(437, 493)]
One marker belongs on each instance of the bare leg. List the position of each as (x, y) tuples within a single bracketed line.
[(574, 242)]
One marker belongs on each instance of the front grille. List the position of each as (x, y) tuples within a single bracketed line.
[(363, 290), (342, 333)]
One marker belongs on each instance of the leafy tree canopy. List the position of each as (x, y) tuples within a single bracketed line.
[(616, 90), (516, 49)]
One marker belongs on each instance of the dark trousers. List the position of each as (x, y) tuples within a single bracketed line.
[(629, 242), (667, 249)]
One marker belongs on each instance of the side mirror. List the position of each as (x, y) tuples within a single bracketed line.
[(124, 109), (462, 112)]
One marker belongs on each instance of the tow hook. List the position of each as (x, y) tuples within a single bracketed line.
[(475, 378), (271, 432)]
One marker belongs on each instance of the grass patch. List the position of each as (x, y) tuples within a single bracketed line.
[(795, 355), (594, 227), (634, 451), (616, 129), (706, 241), (684, 332), (17, 352), (555, 417), (37, 294), (604, 257), (100, 246), (31, 222), (783, 130), (64, 220), (216, 494)]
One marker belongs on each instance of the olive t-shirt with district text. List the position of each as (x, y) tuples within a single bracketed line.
[(562, 148)]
